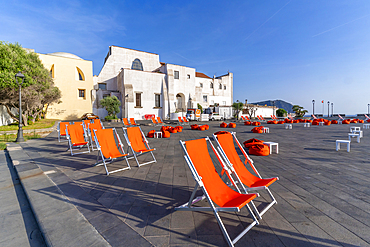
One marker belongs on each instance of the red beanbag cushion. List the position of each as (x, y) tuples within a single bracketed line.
[(334, 121), (259, 149), (202, 128), (247, 123), (256, 123), (251, 142), (194, 126), (232, 125), (173, 130), (166, 134), (327, 123), (207, 126), (221, 132), (151, 134), (223, 125)]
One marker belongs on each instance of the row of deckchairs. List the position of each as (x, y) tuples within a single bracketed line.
[(183, 121), (157, 121), (106, 141), (220, 196), (129, 123)]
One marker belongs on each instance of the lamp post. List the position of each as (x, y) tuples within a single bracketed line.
[(368, 105), (126, 100), (332, 109), (237, 110), (313, 107), (20, 130), (328, 107), (273, 107)]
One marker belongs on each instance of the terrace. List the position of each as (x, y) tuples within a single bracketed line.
[(323, 195)]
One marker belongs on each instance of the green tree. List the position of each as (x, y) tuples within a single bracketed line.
[(238, 106), (112, 105), (299, 112), (38, 89), (200, 107), (281, 112)]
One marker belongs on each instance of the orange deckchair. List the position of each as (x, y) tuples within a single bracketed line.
[(125, 122), (132, 121), (180, 120), (159, 120), (62, 130), (155, 123), (86, 123), (234, 166), (186, 121), (214, 189), (76, 138), (90, 130), (243, 118), (138, 143), (108, 150)]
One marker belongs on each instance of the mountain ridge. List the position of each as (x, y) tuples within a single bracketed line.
[(278, 104)]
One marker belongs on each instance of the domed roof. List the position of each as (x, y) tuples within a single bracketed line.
[(64, 54)]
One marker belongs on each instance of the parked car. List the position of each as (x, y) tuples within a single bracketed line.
[(89, 116)]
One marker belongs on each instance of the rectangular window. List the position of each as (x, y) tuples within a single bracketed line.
[(211, 85), (201, 84), (82, 93), (224, 87), (157, 100), (188, 76), (205, 98), (102, 86), (138, 99), (176, 74), (220, 87)]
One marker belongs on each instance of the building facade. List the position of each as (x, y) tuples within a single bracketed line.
[(74, 77), (146, 86)]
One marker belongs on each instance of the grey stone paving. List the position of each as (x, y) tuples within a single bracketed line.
[(17, 222), (323, 195)]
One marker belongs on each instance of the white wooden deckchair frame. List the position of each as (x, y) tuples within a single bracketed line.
[(136, 154), (105, 161), (212, 208), (235, 179)]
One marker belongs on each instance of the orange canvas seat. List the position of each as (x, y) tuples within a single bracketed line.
[(185, 120), (62, 130), (132, 121), (77, 138), (159, 120), (155, 123), (125, 122), (138, 143), (237, 171), (96, 125), (107, 147), (218, 195), (180, 120)]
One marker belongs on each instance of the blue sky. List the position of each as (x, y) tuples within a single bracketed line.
[(296, 50)]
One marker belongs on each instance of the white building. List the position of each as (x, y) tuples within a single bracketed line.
[(147, 86)]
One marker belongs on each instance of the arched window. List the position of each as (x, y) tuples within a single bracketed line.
[(79, 74), (136, 64), (51, 72)]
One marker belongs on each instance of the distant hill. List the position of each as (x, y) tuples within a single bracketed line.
[(278, 103)]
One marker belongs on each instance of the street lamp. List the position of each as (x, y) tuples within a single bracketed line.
[(237, 110), (126, 100), (368, 105), (328, 108), (20, 130), (332, 109), (313, 107)]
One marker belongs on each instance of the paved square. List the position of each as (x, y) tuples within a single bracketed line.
[(323, 195)]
